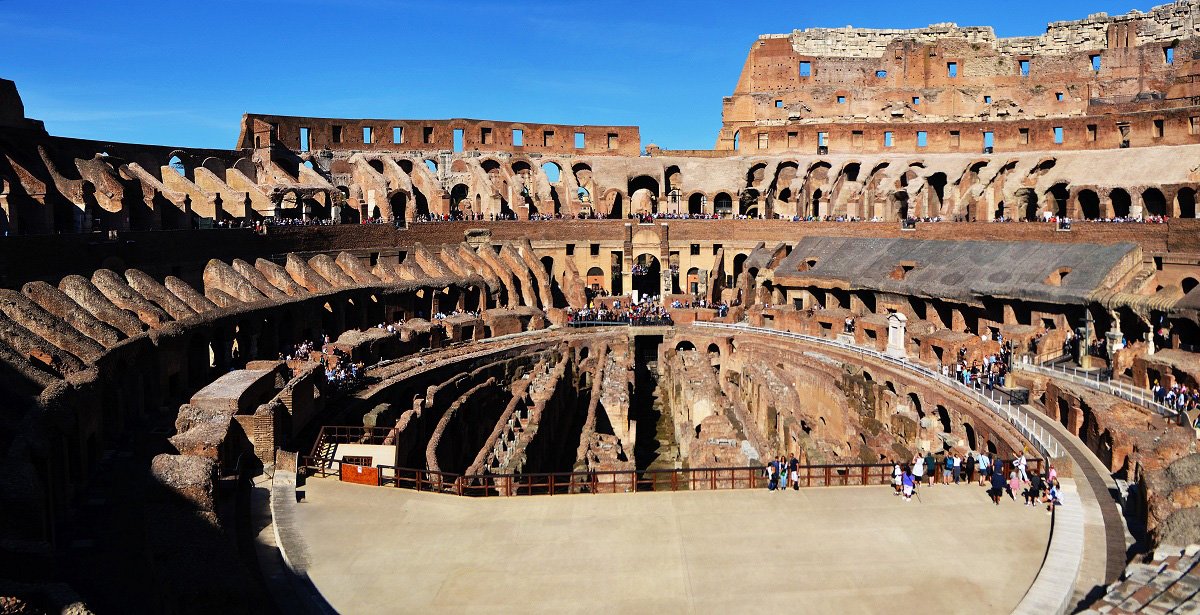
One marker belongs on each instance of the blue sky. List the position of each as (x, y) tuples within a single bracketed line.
[(183, 72)]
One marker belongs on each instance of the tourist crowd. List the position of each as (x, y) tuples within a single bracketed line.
[(1179, 397), (645, 312), (340, 372)]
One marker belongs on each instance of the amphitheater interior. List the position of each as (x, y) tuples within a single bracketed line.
[(190, 336)]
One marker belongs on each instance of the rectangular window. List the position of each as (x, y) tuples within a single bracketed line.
[(916, 100), (952, 69), (1058, 96), (841, 100), (518, 137), (594, 249), (822, 139), (612, 140), (989, 139), (1023, 136), (805, 69), (1095, 59), (922, 138), (1058, 135), (397, 134), (856, 138), (579, 140), (793, 139), (485, 136), (694, 249), (1024, 68), (1091, 132), (888, 138), (458, 139), (1159, 128), (1169, 55), (303, 139), (716, 248), (955, 138), (366, 135), (779, 104), (1194, 125), (337, 134), (427, 134), (547, 138), (881, 73), (987, 100), (762, 140)]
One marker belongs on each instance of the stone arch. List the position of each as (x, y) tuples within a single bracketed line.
[(1122, 204), (1153, 202), (1185, 203), (1058, 195), (1089, 204)]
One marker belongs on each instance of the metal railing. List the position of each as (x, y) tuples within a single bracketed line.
[(1045, 442), (1095, 381), (632, 481), (631, 322)]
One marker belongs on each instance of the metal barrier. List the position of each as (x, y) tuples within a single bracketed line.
[(1095, 382), (1045, 443), (630, 481)]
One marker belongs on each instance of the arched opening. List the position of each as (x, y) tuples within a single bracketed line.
[(177, 165), (815, 210), (737, 140), (900, 203), (432, 166), (944, 418), (696, 204), (553, 172), (615, 207), (684, 345), (647, 276), (1027, 205), (739, 263), (1089, 205), (1188, 284), (1060, 193), (399, 204), (458, 194), (970, 431), (914, 402), (1154, 202), (723, 204), (1186, 201), (595, 279), (376, 164), (1121, 203), (937, 183), (693, 281), (1064, 413)]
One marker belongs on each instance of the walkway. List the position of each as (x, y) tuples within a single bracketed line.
[(829, 550)]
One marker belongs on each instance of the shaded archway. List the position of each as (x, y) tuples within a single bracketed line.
[(1026, 204), (1154, 203), (723, 204), (1060, 193), (647, 276), (1121, 203), (1185, 201), (1089, 204), (696, 204)]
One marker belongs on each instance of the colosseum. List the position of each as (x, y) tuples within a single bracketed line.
[(380, 365)]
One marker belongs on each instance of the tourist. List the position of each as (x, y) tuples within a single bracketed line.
[(985, 468), (897, 476), (956, 467), (969, 467), (998, 485), (1014, 484), (772, 474), (1020, 463), (794, 472), (930, 468), (1054, 497), (908, 481), (947, 469), (918, 468), (1033, 492)]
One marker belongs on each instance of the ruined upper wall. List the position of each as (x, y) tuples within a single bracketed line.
[(436, 135), (1163, 24)]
